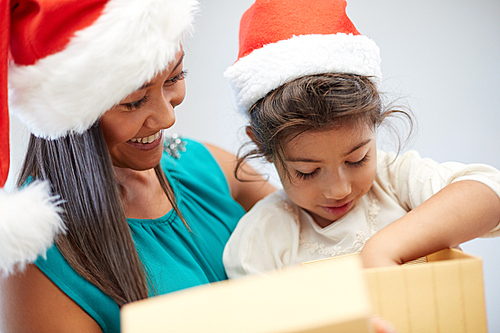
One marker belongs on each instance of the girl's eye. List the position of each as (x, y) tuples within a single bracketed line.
[(135, 105), (359, 163), (305, 176), (181, 76)]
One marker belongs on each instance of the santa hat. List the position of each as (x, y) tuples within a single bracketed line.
[(281, 40), (63, 65)]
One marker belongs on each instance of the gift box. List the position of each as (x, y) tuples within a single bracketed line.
[(443, 292), (317, 299)]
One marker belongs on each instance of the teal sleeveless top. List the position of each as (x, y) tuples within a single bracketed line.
[(174, 257)]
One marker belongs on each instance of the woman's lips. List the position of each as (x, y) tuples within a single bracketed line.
[(339, 210), (147, 146)]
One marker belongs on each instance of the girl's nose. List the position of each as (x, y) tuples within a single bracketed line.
[(337, 187)]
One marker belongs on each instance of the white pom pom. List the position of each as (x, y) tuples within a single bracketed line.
[(29, 221)]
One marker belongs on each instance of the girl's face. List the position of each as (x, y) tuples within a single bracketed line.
[(133, 128), (329, 170)]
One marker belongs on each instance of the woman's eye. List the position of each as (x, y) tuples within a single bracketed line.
[(181, 76), (305, 176), (135, 105), (359, 163)]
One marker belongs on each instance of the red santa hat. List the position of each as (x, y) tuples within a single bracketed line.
[(63, 64), (281, 40)]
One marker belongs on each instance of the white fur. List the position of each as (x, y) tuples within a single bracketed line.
[(28, 224), (267, 68), (124, 48)]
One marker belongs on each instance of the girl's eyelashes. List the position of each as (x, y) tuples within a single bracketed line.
[(305, 176), (359, 163), (181, 76), (135, 105)]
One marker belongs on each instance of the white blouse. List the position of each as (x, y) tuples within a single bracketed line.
[(276, 233)]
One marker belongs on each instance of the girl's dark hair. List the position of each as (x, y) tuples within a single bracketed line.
[(312, 103), (98, 243)]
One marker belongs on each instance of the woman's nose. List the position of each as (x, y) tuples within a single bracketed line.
[(163, 114), (176, 96)]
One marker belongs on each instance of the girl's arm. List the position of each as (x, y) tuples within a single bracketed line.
[(459, 212), (247, 193), (30, 302)]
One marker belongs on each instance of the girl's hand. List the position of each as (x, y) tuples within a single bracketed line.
[(382, 326), (374, 256)]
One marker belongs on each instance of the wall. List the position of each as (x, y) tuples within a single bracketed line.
[(441, 56)]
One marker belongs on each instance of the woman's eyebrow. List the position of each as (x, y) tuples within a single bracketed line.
[(180, 61), (150, 83)]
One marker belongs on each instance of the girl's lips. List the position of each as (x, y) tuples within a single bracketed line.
[(147, 146), (338, 210)]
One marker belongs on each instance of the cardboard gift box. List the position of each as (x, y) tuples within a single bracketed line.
[(442, 292), (446, 294), (317, 299)]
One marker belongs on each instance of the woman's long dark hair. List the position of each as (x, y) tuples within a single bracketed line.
[(98, 243)]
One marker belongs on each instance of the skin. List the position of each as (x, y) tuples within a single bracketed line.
[(381, 325), (458, 213), (29, 301), (329, 170)]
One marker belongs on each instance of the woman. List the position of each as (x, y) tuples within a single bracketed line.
[(96, 83)]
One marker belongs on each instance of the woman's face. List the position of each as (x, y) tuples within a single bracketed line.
[(329, 170), (133, 128)]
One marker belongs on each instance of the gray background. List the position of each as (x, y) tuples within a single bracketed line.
[(441, 57)]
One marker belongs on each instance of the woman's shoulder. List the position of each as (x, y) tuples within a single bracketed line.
[(190, 161), (32, 302), (99, 306)]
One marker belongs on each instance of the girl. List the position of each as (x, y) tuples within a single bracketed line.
[(132, 213), (309, 83)]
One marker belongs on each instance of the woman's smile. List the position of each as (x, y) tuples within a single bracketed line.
[(148, 142), (147, 139)]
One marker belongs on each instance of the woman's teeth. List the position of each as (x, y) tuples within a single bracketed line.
[(147, 139)]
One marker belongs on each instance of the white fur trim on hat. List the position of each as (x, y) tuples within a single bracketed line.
[(28, 224), (267, 68), (124, 48)]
